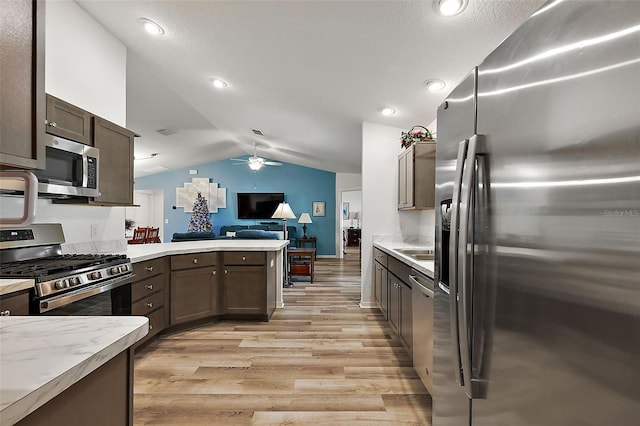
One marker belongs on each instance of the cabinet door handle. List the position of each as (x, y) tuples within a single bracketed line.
[(150, 305), (5, 313), (149, 268), (150, 286), (226, 272), (53, 124), (244, 258), (195, 261), (150, 327), (213, 272)]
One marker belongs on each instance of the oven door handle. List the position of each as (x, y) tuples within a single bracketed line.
[(83, 293)]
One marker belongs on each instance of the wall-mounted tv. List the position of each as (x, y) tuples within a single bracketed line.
[(258, 205)]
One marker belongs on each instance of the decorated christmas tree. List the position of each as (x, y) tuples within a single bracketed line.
[(200, 221)]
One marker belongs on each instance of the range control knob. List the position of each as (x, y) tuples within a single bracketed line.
[(95, 275), (74, 281), (124, 268), (115, 270), (59, 285)]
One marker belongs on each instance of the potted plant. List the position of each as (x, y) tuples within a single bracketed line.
[(416, 134)]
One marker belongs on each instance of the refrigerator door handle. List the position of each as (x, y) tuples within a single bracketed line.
[(453, 263), (465, 267)]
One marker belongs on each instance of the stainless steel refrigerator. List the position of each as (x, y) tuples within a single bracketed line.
[(537, 304)]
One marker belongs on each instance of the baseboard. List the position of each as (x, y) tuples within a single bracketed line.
[(368, 305)]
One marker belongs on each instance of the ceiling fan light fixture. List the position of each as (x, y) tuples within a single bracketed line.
[(449, 7), (255, 166), (388, 111), (148, 157), (435, 85), (151, 27), (219, 83)]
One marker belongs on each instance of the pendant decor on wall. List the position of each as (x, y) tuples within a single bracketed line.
[(187, 195)]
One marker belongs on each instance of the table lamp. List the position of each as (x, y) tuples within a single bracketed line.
[(304, 219), (284, 212)]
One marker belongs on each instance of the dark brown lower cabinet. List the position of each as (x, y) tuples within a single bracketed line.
[(394, 303), (194, 294), (103, 397), (248, 289), (406, 317)]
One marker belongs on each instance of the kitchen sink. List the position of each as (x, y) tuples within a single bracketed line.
[(418, 254)]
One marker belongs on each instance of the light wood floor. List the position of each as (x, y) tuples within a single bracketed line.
[(321, 360)]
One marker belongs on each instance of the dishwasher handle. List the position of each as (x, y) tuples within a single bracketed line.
[(427, 292)]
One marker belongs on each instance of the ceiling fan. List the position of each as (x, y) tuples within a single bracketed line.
[(255, 163)]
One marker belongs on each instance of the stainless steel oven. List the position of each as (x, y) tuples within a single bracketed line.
[(65, 284), (112, 297)]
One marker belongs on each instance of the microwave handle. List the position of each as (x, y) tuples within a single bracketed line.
[(30, 197)]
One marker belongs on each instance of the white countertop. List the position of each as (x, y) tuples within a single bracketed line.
[(41, 356), (140, 252), (10, 285), (424, 266)]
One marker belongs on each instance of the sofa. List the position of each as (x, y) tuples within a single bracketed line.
[(240, 232), (291, 230)]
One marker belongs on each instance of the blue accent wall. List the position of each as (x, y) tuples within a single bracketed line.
[(301, 186)]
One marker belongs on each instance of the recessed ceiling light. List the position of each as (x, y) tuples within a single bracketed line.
[(449, 7), (435, 85), (219, 83), (151, 27), (388, 111)]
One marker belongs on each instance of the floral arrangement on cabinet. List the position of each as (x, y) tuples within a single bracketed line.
[(416, 134)]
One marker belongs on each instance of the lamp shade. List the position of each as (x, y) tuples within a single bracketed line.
[(305, 218), (283, 212)]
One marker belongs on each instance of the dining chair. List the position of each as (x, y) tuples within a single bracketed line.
[(139, 236), (152, 236)]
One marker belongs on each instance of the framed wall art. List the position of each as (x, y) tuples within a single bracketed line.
[(318, 208)]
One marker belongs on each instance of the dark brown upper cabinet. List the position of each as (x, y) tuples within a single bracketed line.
[(68, 121), (22, 99), (115, 170)]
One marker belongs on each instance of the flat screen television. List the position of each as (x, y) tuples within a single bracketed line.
[(258, 205)]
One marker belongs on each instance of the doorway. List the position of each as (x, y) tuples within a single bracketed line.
[(351, 218), (149, 211)]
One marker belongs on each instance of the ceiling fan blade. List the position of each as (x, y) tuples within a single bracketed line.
[(239, 159), (273, 163)]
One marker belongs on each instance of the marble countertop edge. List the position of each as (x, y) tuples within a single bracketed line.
[(20, 399), (142, 252), (11, 285)]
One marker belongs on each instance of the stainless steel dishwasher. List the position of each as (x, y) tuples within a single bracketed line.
[(422, 307)]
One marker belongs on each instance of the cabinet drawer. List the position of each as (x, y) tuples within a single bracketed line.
[(195, 260), (156, 322), (245, 258), (399, 269), (380, 256), (147, 287), (148, 304), (156, 325), (148, 268), (15, 304)]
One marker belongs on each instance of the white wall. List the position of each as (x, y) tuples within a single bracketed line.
[(86, 66), (380, 150), (344, 182)]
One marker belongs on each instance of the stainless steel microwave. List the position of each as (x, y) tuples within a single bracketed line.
[(71, 169)]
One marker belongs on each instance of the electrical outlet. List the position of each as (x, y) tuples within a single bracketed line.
[(94, 230), (166, 221)]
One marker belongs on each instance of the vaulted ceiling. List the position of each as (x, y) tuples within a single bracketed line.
[(305, 73)]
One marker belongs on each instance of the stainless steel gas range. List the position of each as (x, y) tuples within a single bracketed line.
[(65, 284)]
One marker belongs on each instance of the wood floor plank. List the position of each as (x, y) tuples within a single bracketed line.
[(320, 360)]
